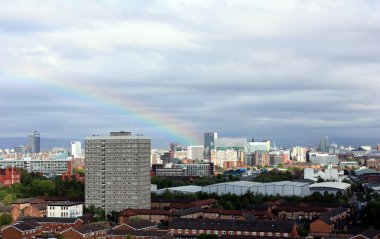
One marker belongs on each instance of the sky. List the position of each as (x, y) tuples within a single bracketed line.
[(173, 70)]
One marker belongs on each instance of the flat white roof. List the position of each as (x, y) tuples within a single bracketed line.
[(336, 185), (252, 184), (189, 188)]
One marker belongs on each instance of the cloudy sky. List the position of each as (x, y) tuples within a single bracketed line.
[(175, 69)]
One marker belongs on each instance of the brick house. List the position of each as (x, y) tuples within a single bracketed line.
[(21, 204), (153, 215), (36, 210), (329, 221), (293, 212), (183, 227), (88, 231), (370, 233), (14, 211), (321, 226), (138, 225), (55, 224), (23, 230), (215, 213), (165, 202), (260, 211), (9, 176), (122, 234), (192, 212), (205, 203)]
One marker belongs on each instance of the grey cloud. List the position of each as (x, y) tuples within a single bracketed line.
[(244, 68)]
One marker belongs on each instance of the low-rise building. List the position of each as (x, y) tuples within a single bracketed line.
[(23, 230), (9, 176), (36, 210), (65, 209), (54, 224), (12, 210), (182, 227), (88, 231)]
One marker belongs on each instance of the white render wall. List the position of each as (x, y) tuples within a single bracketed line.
[(65, 211), (283, 188)]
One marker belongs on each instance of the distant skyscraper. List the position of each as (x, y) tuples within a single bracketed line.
[(76, 149), (324, 145), (117, 171), (209, 143), (34, 142)]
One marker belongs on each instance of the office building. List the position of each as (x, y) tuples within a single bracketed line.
[(324, 145), (325, 159), (117, 171), (34, 142), (195, 152), (209, 143), (55, 165), (298, 154), (76, 149)]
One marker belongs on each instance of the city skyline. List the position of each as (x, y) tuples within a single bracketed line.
[(173, 70)]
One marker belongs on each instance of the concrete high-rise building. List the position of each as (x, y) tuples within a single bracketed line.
[(324, 145), (117, 171), (76, 149), (298, 154), (195, 152), (209, 143), (34, 142)]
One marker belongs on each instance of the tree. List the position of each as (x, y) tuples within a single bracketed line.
[(9, 199), (42, 187), (5, 219), (302, 232)]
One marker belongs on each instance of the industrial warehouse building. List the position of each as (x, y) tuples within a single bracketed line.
[(330, 187), (283, 188)]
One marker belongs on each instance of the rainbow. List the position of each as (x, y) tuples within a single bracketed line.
[(164, 126)]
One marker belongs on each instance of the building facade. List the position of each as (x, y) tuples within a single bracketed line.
[(76, 149), (34, 142), (65, 209), (209, 143), (117, 171)]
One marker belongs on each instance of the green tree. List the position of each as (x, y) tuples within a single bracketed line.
[(302, 232), (42, 188), (9, 198), (5, 219)]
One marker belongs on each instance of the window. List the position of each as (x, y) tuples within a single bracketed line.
[(261, 233), (216, 232), (285, 234), (231, 232), (208, 231), (187, 231), (194, 231), (223, 232), (270, 234)]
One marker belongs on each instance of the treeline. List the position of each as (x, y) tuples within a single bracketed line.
[(232, 202), (276, 175), (34, 184)]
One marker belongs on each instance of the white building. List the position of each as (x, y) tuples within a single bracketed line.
[(182, 154), (324, 159), (195, 152), (282, 188), (76, 149), (218, 157), (65, 209), (330, 187), (258, 146), (298, 154)]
